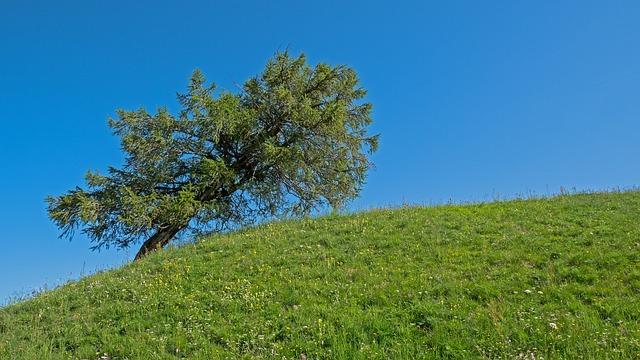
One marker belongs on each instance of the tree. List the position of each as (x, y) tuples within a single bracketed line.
[(292, 140)]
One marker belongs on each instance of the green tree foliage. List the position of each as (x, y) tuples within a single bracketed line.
[(292, 140)]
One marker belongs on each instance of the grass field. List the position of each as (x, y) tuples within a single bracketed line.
[(525, 279)]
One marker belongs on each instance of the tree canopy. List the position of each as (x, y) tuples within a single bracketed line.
[(292, 139)]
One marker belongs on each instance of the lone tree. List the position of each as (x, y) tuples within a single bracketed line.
[(293, 139)]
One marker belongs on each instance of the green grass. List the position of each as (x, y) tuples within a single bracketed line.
[(524, 279)]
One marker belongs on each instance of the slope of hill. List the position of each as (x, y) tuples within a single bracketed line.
[(527, 279)]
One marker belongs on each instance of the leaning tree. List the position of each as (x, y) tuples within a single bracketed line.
[(291, 140)]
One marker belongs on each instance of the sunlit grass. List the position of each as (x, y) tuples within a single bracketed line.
[(528, 279)]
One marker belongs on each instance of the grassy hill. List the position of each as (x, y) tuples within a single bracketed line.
[(525, 279)]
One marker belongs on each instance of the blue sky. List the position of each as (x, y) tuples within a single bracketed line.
[(474, 100)]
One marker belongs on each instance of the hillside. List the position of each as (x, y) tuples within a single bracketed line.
[(527, 279)]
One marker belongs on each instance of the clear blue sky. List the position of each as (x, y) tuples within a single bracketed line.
[(473, 99)]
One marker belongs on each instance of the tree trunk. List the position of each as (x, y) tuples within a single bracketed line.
[(158, 240)]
